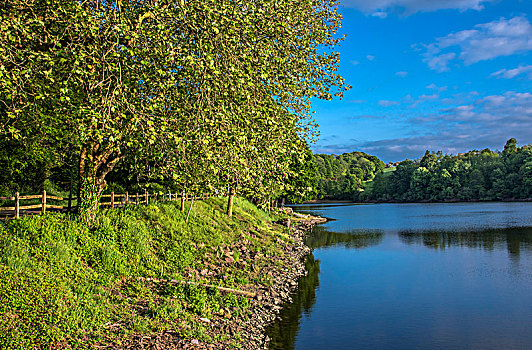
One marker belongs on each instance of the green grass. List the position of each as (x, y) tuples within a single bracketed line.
[(389, 171), (64, 285)]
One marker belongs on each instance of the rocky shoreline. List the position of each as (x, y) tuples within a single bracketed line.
[(249, 327), (268, 303)]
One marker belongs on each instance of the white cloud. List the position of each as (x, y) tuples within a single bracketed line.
[(354, 63), (508, 114), (429, 97), (436, 87), (440, 63), (424, 98), (381, 8), (481, 122), (512, 73), (401, 74), (485, 42), (380, 14), (370, 57), (471, 122), (387, 103)]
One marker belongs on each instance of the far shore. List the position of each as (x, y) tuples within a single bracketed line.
[(333, 201), (320, 201)]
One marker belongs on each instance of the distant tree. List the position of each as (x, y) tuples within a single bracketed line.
[(510, 146), (401, 178), (343, 176), (429, 160)]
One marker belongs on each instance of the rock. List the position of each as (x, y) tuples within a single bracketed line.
[(284, 222), (287, 210)]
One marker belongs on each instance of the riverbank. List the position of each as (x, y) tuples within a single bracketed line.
[(142, 277)]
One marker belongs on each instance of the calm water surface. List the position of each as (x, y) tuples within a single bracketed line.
[(414, 276)]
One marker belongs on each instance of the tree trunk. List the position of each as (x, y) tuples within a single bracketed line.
[(183, 201), (230, 201), (94, 164), (189, 209)]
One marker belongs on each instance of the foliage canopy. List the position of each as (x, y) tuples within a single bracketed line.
[(209, 94)]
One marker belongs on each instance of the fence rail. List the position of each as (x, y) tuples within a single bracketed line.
[(114, 200)]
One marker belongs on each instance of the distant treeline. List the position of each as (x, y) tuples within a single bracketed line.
[(475, 175), (344, 176)]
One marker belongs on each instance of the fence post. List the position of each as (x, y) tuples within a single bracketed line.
[(127, 197), (169, 196), (182, 200), (17, 207), (137, 199), (146, 196), (43, 208), (112, 199), (156, 196)]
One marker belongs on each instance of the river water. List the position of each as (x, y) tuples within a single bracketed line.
[(414, 276)]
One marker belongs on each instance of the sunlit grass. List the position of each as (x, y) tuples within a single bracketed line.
[(62, 284)]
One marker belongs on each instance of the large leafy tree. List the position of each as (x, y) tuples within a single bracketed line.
[(84, 76), (213, 94)]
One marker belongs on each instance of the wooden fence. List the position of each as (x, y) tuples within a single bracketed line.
[(111, 200)]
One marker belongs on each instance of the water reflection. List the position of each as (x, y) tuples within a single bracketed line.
[(514, 240), (320, 237), (405, 276), (283, 332)]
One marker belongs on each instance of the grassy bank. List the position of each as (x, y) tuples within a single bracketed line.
[(64, 285)]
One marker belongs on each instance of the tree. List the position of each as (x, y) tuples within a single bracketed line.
[(510, 146), (215, 93), (88, 76), (302, 183), (401, 178), (429, 160)]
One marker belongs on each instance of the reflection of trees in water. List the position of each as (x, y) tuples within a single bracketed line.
[(515, 239), (320, 237), (283, 332)]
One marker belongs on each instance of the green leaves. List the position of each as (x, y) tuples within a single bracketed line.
[(208, 92)]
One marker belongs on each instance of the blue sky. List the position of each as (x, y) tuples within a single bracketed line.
[(449, 75)]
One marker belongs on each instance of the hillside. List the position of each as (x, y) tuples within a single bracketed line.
[(141, 270)]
